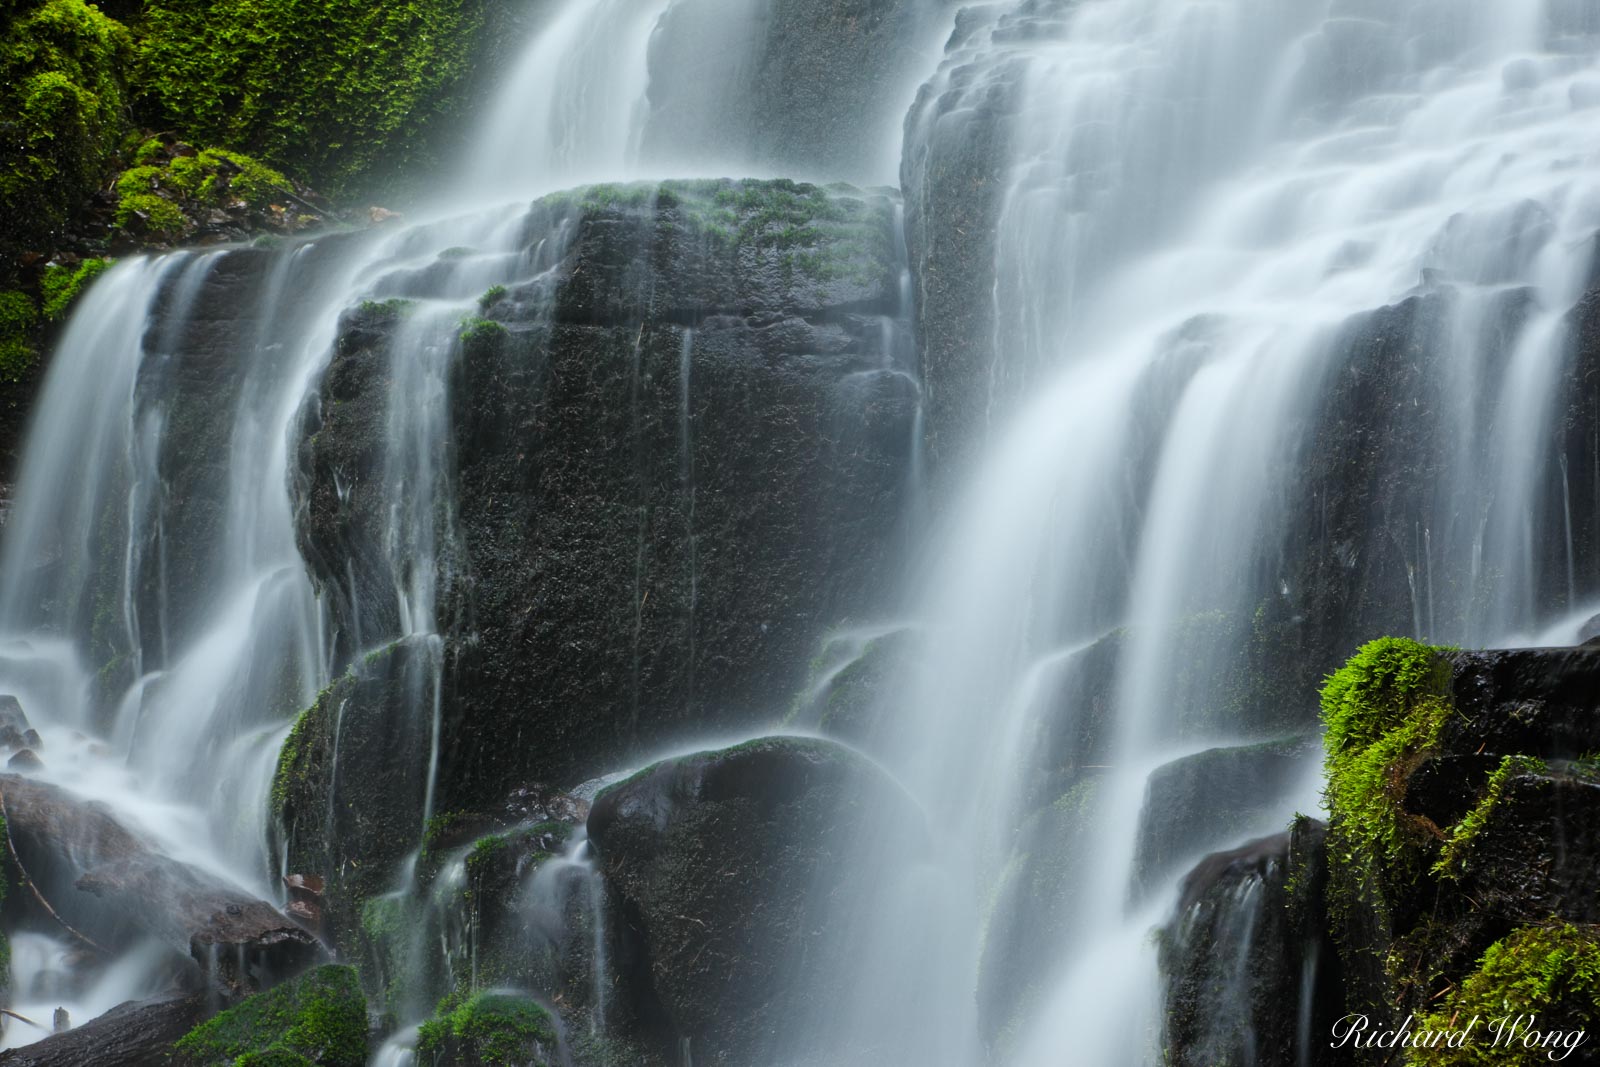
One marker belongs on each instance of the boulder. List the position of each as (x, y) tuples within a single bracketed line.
[(1250, 973), (1202, 802), (712, 865), (677, 455)]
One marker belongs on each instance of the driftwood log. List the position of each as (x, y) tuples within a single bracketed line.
[(134, 1034), (111, 888)]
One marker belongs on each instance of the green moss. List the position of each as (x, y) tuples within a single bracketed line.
[(289, 755), (477, 331), (212, 177), (327, 89), (1459, 844), (62, 111), (61, 285), (1382, 711), (274, 1057), (493, 296), (320, 1016), (1551, 972), (161, 217), (389, 309), (491, 1029), (442, 825), (18, 316)]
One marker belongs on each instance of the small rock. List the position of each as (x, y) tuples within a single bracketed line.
[(62, 1021), (382, 214), (304, 911), (25, 760), (304, 886)]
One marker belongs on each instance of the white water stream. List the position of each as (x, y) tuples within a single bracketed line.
[(1200, 197)]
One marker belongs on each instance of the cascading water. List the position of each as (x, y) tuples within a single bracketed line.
[(154, 593), (1204, 207), (1207, 213)]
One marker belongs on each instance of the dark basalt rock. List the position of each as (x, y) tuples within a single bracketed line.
[(710, 862), (352, 777), (635, 553), (1203, 801), (1501, 833), (1247, 958), (133, 1034)]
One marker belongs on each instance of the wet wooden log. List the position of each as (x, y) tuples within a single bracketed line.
[(112, 887), (133, 1034)]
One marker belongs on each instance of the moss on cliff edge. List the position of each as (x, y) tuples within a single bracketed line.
[(1383, 711), (320, 1016), (324, 88)]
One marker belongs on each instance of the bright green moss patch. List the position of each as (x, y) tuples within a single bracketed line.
[(493, 296), (1383, 711), (328, 89), (1550, 972), (320, 1016), (477, 331), (62, 110), (60, 285), (1464, 833), (213, 177), (488, 1029)]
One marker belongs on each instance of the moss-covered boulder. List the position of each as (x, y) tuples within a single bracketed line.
[(1461, 855), (712, 865), (490, 1029), (319, 1018), (677, 458)]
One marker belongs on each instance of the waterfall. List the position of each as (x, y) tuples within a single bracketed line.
[(157, 618), (1264, 326), (1208, 215)]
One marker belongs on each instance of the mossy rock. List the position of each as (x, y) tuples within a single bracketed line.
[(1550, 972), (489, 1029), (318, 1018), (63, 105)]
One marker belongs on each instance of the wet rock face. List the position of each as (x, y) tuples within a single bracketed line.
[(1251, 976), (1206, 800), (711, 863), (1493, 849), (675, 459)]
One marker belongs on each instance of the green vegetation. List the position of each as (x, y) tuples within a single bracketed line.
[(61, 285), (488, 1029), (478, 331), (212, 177), (320, 1016), (289, 755), (17, 319), (1465, 832), (1551, 972), (62, 106), (327, 89), (493, 296), (1383, 711)]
